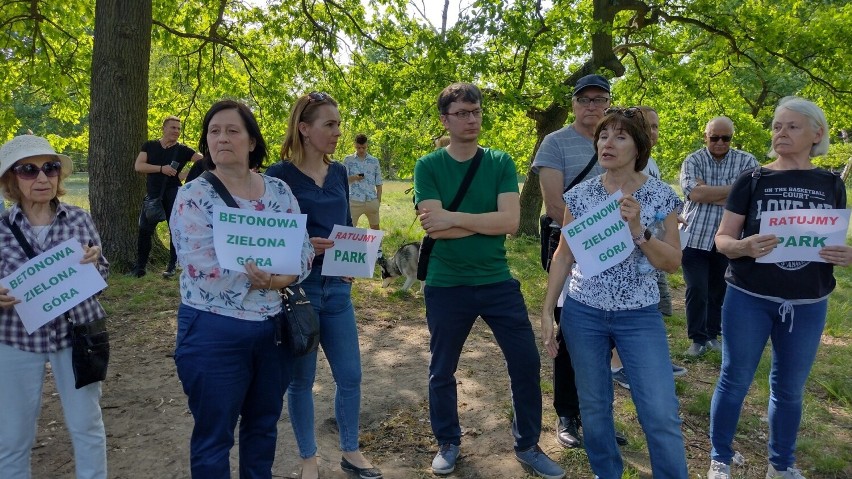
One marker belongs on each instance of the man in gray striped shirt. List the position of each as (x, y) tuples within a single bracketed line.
[(706, 177)]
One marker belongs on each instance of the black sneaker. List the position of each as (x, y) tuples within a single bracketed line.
[(136, 272), (169, 273), (568, 432)]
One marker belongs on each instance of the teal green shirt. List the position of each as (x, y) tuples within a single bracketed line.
[(477, 259)]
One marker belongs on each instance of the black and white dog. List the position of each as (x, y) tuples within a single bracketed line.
[(403, 263)]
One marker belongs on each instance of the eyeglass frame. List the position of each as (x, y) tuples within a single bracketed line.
[(596, 101), (628, 112), (716, 138), (318, 96), (54, 170), (463, 115)]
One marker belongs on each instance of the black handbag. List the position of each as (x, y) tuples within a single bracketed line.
[(153, 209), (429, 242), (299, 324), (549, 235), (89, 352), (89, 341)]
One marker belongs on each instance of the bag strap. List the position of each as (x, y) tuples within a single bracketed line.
[(583, 173), (19, 235), (467, 180), (220, 189)]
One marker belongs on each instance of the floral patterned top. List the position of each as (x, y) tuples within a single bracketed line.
[(204, 284), (631, 284)]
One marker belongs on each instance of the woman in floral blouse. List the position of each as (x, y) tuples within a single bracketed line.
[(618, 306), (228, 358)]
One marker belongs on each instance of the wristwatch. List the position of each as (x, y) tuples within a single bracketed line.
[(643, 237)]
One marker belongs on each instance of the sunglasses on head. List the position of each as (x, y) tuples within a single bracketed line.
[(29, 171), (317, 96), (725, 138), (625, 112)]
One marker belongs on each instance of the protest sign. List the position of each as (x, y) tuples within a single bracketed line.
[(52, 283), (354, 252), (599, 239), (802, 233), (272, 240)]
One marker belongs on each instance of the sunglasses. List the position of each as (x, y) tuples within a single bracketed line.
[(725, 138), (29, 171), (625, 112), (318, 96)]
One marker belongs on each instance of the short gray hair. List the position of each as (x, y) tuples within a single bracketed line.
[(719, 119), (814, 114)]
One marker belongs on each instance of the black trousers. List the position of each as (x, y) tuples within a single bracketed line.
[(565, 400), (704, 275), (147, 230)]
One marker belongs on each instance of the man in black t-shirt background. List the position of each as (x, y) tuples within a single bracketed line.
[(161, 160)]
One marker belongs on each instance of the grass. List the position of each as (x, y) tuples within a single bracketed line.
[(825, 440)]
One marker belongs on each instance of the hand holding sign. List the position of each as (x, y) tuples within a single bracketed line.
[(600, 239), (801, 235), (354, 252)]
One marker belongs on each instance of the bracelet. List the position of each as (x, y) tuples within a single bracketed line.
[(161, 168), (270, 282)]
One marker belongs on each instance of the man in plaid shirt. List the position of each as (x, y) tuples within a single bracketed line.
[(706, 177)]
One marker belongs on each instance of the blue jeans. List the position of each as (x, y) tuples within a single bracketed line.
[(640, 338), (450, 313), (231, 369), (704, 275), (21, 380), (331, 298), (752, 321)]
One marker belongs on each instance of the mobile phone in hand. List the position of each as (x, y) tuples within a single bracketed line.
[(175, 164), (361, 175)]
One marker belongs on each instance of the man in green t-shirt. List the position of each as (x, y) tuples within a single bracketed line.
[(469, 277)]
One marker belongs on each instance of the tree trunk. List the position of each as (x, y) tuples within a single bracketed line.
[(118, 122)]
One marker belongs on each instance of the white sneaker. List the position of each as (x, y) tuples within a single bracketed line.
[(790, 473), (719, 470)]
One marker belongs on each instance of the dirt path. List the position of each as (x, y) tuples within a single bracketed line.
[(148, 424)]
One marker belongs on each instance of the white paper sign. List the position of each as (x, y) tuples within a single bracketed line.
[(802, 233), (272, 240), (52, 283), (600, 239), (354, 252)]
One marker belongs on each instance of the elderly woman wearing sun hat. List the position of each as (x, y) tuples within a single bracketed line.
[(31, 175)]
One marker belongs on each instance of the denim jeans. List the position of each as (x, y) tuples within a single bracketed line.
[(147, 231), (752, 321), (640, 338), (450, 313), (22, 377), (704, 275), (331, 298), (231, 369)]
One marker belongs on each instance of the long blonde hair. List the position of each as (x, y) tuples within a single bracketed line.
[(304, 110)]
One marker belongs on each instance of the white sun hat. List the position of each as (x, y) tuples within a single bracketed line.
[(27, 146)]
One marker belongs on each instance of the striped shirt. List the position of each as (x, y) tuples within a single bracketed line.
[(569, 152), (69, 222), (703, 218)]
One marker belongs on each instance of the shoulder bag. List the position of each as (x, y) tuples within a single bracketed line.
[(89, 341), (548, 234), (428, 242), (297, 323), (153, 208)]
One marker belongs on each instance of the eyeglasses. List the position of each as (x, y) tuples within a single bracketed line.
[(724, 138), (29, 171), (625, 112), (317, 96), (598, 101), (465, 114)]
